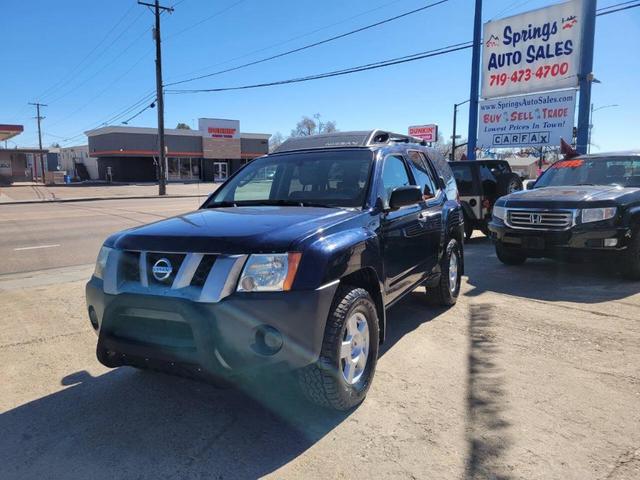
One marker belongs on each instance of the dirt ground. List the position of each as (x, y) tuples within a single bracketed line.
[(534, 374)]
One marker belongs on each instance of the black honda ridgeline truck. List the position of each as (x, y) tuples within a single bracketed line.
[(588, 206), (292, 262)]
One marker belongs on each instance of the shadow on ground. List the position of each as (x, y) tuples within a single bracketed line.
[(486, 429), (133, 424), (544, 279)]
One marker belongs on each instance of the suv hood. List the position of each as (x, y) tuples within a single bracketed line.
[(567, 197), (230, 230)]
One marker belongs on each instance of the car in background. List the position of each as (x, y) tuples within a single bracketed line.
[(292, 263), (480, 183), (583, 207)]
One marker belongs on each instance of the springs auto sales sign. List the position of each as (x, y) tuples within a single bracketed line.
[(532, 52)]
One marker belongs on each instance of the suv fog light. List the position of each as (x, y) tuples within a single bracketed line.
[(610, 242), (268, 340)]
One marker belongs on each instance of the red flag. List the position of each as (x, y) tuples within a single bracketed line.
[(567, 150)]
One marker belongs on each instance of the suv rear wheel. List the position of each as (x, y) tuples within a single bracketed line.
[(509, 256), (342, 375), (446, 293)]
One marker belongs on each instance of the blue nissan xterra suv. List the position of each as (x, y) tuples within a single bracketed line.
[(292, 262)]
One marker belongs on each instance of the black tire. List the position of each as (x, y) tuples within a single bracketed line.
[(323, 382), (468, 229), (444, 294), (631, 266), (509, 183), (509, 256)]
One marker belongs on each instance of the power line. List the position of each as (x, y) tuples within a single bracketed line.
[(291, 39), (218, 13), (311, 45), (96, 58), (151, 105), (335, 73), (99, 71), (70, 74), (608, 10)]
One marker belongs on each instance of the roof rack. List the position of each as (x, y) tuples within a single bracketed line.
[(366, 138)]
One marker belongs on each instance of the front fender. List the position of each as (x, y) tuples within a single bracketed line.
[(332, 257)]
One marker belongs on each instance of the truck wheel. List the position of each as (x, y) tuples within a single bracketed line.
[(445, 293), (508, 256), (632, 257), (468, 229), (509, 183), (342, 375)]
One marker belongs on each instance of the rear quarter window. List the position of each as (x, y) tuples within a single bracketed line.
[(463, 174)]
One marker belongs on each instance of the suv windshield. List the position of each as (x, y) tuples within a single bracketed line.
[(622, 171), (332, 179)]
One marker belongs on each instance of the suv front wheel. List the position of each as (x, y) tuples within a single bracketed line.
[(342, 375), (445, 293)]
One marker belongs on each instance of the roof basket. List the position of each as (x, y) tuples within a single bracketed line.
[(345, 139)]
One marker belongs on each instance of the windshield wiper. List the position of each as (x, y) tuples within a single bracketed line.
[(221, 204)]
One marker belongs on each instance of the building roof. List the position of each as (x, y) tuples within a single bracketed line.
[(521, 161), (168, 131), (9, 131)]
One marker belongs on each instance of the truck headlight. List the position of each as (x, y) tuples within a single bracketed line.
[(499, 212), (101, 262), (598, 214), (273, 272)]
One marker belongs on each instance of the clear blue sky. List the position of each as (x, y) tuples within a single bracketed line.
[(45, 43)]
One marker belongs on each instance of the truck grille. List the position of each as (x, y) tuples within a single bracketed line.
[(540, 219)]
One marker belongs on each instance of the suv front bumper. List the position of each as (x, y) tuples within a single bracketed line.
[(578, 239), (241, 333)]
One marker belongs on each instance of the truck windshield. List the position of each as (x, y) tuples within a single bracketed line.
[(330, 179), (621, 171)]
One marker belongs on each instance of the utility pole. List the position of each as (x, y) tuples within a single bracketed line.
[(475, 82), (585, 76), (454, 136), (39, 118), (162, 180)]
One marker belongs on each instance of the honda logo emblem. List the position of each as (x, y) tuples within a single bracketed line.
[(535, 218)]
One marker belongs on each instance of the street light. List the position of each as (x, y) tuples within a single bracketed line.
[(591, 121), (453, 137)]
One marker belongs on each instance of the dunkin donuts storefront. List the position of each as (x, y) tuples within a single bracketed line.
[(212, 153)]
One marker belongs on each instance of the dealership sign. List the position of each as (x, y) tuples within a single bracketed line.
[(532, 52), (527, 121), (428, 133), (219, 128)]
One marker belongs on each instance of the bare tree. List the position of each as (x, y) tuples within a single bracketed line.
[(308, 126), (275, 141)]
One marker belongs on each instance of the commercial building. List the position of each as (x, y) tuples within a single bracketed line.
[(211, 153), (77, 162), (18, 164)]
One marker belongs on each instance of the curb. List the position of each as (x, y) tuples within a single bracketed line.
[(94, 199)]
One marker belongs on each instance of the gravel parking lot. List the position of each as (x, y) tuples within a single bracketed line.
[(535, 374)]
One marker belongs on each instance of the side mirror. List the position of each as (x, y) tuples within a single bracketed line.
[(403, 196), (441, 183)]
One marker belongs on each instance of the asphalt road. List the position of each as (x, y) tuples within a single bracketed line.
[(534, 374), (43, 236)]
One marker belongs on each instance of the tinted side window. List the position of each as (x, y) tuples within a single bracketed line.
[(394, 174), (464, 178), (489, 181), (422, 173)]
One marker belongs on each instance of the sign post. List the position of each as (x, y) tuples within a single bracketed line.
[(475, 82), (586, 76)]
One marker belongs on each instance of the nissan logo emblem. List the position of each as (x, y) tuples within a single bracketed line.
[(162, 269)]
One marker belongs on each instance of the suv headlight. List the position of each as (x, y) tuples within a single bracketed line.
[(598, 214), (101, 262), (499, 212), (273, 272)]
